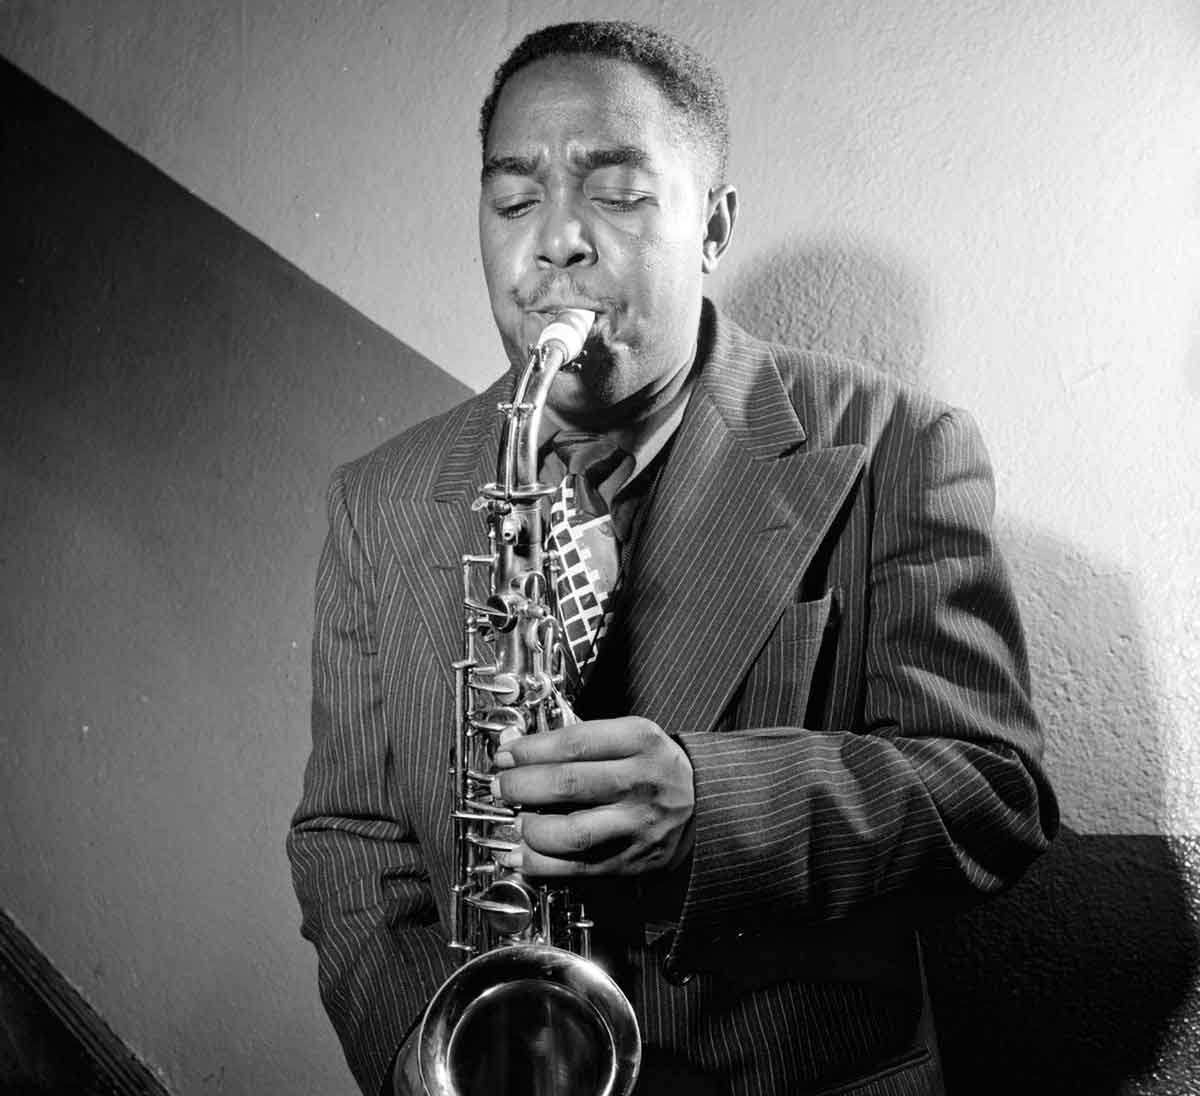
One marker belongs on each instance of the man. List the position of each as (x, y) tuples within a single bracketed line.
[(808, 722)]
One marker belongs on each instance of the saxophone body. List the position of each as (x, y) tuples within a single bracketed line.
[(528, 1011)]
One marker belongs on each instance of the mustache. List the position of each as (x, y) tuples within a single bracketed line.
[(556, 288)]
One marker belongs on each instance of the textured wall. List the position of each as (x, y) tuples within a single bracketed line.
[(997, 199), (999, 195)]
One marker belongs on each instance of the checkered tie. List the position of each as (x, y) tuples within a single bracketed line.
[(581, 530)]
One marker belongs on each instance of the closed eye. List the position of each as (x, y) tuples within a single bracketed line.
[(620, 202), (511, 210)]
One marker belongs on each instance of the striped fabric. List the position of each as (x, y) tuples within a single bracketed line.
[(816, 609)]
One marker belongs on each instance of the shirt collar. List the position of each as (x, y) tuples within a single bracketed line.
[(642, 440)]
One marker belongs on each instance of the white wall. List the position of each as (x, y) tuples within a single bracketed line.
[(999, 198)]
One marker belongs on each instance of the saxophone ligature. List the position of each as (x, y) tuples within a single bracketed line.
[(529, 1011)]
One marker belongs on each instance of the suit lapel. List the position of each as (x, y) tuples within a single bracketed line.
[(431, 530), (742, 507)]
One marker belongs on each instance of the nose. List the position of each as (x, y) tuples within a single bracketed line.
[(564, 238)]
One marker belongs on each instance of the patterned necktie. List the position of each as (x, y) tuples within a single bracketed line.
[(581, 529)]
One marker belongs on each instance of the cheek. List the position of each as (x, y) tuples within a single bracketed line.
[(666, 269), (499, 249), (501, 280)]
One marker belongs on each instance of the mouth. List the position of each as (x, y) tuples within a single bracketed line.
[(549, 311), (541, 316)]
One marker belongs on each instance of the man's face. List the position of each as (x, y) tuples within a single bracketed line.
[(592, 197)]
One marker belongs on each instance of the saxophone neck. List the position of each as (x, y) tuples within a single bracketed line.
[(559, 344)]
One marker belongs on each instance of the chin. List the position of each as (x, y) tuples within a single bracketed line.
[(570, 393), (578, 398)]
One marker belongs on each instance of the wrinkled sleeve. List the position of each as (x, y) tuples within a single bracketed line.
[(938, 796), (358, 872)]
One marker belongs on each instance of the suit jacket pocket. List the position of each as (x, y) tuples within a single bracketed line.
[(776, 690), (916, 1071)]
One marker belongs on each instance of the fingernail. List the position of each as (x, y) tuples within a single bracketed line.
[(512, 860), (508, 734), (496, 790), (503, 760), (509, 831)]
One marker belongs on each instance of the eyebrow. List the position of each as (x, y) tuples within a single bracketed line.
[(591, 160)]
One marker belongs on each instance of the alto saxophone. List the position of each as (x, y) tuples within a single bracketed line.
[(529, 1012)]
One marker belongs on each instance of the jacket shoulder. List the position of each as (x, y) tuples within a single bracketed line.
[(844, 401), (410, 464)]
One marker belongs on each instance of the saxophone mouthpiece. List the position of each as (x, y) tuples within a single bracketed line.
[(568, 329)]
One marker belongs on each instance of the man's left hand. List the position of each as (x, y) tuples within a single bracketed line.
[(621, 791)]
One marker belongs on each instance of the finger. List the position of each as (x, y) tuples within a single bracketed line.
[(593, 835), (585, 783), (535, 865), (594, 740)]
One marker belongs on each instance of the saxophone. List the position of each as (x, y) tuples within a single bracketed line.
[(529, 1012)]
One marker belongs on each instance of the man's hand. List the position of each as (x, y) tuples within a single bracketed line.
[(621, 791)]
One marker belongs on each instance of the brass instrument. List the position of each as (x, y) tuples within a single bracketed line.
[(529, 1012)]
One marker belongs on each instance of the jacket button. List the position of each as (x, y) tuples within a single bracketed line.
[(674, 975)]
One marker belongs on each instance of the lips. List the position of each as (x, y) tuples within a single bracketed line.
[(544, 309), (537, 318)]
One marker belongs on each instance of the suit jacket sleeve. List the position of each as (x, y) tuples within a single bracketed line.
[(358, 871), (937, 795)]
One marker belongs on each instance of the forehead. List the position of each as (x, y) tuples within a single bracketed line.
[(583, 101)]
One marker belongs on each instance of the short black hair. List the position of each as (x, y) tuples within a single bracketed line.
[(685, 77)]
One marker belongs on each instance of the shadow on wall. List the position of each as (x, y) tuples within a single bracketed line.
[(837, 297), (1083, 978)]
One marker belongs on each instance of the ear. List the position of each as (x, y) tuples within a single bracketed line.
[(722, 213)]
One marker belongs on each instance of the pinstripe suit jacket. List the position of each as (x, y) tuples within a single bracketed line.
[(817, 611)]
